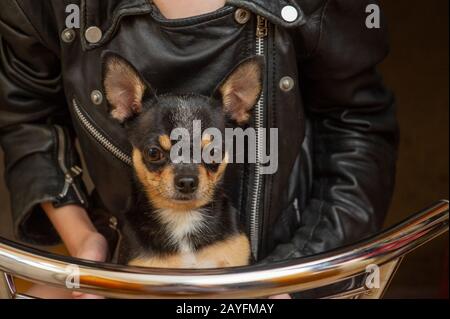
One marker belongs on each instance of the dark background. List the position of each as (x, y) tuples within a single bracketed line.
[(417, 70)]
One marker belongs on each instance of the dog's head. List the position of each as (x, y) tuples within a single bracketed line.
[(150, 121)]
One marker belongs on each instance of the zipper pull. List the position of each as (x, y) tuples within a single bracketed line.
[(70, 179), (262, 29)]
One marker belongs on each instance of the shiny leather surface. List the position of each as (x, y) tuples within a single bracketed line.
[(332, 187)]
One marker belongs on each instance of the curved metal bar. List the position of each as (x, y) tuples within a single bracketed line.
[(244, 282)]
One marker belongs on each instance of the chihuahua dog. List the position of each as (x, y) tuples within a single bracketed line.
[(181, 217)]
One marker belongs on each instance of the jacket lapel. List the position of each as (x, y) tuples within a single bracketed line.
[(273, 10), (106, 15)]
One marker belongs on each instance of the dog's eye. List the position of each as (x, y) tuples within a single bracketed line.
[(154, 154)]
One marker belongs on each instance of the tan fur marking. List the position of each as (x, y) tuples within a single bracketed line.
[(214, 177), (209, 180), (206, 140), (174, 261), (165, 142), (232, 252)]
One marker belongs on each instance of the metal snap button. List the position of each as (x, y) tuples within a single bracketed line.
[(93, 35), (96, 97), (287, 84), (68, 35), (113, 222), (242, 16), (289, 14)]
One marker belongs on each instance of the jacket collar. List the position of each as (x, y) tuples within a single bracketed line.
[(106, 15), (272, 10)]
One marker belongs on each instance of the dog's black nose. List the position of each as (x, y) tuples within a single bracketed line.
[(186, 184)]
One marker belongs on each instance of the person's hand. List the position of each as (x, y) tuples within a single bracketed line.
[(285, 296), (93, 248), (79, 235)]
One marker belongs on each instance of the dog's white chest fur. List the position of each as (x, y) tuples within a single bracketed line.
[(179, 225), (232, 251)]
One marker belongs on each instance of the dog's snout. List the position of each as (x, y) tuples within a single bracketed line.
[(186, 184)]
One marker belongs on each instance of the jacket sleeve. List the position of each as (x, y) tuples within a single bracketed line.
[(35, 134), (354, 132)]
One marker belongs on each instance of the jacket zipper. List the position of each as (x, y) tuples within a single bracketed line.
[(69, 174), (99, 137), (262, 30)]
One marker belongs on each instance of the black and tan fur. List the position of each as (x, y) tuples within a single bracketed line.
[(181, 217)]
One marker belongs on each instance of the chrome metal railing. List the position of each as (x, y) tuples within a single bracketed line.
[(384, 250)]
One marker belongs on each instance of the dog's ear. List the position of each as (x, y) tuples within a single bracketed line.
[(123, 86), (241, 89)]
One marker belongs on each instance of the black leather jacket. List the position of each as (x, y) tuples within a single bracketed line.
[(336, 120)]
